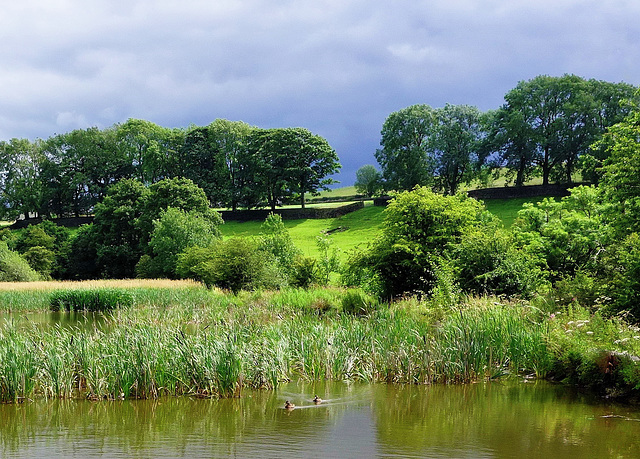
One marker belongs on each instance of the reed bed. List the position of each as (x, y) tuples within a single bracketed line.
[(217, 345)]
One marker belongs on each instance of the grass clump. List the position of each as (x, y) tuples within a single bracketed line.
[(94, 300)]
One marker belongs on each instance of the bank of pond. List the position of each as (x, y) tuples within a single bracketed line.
[(188, 340)]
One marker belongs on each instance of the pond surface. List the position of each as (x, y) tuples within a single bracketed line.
[(496, 420)]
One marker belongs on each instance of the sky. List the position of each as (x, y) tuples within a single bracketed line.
[(335, 67)]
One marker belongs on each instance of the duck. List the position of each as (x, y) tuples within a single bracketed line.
[(289, 406), (317, 400)]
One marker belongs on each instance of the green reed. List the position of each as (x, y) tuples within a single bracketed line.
[(217, 344)]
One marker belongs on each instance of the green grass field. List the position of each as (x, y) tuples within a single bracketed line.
[(347, 231), (507, 209)]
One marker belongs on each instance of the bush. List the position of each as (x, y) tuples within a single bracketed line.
[(304, 272), (625, 284), (358, 303), (175, 231), (14, 268), (235, 264), (95, 300), (275, 239), (419, 228), (490, 263)]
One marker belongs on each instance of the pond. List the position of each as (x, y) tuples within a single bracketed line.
[(486, 420)]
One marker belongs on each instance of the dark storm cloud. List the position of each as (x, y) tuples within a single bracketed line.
[(336, 67)]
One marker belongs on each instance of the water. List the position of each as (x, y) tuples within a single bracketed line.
[(496, 420)]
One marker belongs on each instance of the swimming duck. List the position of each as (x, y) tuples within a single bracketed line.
[(289, 406), (317, 400)]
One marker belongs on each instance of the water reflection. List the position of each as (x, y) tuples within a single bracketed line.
[(47, 320), (480, 420)]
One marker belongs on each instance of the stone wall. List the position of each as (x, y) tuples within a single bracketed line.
[(529, 191), (291, 214)]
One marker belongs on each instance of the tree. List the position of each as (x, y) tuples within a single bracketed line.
[(454, 146), (419, 228), (621, 173), (21, 187), (203, 162), (231, 138), (152, 150), (81, 165), (404, 157), (286, 161), (550, 122), (368, 180), (175, 231), (268, 160), (117, 237), (179, 192), (312, 161)]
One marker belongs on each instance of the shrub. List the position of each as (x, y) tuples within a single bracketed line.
[(358, 303), (304, 272), (14, 268), (175, 231), (490, 263), (275, 239), (95, 300), (419, 227), (235, 264)]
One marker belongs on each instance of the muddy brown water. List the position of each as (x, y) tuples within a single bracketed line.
[(486, 420)]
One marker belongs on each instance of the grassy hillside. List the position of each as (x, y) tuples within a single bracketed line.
[(346, 232), (357, 227)]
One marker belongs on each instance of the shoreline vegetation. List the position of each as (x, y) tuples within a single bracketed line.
[(180, 338)]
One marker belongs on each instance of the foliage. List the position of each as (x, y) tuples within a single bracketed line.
[(21, 187), (404, 158), (304, 272), (329, 261), (621, 174), (235, 264), (90, 300), (549, 122), (285, 161), (625, 283), (368, 180), (491, 263), (14, 268), (419, 228), (569, 234), (175, 231), (454, 146), (276, 240), (422, 146)]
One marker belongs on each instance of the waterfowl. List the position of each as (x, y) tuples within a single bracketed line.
[(317, 400), (289, 406)]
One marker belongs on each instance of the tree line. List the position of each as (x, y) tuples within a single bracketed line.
[(237, 165), (547, 126)]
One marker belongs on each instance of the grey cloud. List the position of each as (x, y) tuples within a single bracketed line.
[(336, 67)]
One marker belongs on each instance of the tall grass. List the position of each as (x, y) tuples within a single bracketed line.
[(218, 344), (259, 340)]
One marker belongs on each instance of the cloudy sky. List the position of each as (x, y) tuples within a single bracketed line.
[(336, 67)]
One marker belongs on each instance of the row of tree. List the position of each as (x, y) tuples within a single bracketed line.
[(237, 165), (548, 126)]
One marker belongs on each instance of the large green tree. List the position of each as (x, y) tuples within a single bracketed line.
[(548, 123), (404, 157), (152, 150), (621, 179), (21, 187), (215, 157), (454, 146)]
